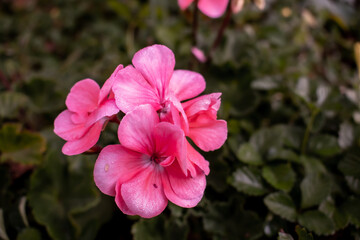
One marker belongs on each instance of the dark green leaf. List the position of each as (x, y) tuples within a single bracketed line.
[(280, 176), (314, 189), (10, 103), (29, 234), (353, 183), (335, 213), (283, 154), (350, 165), (249, 155), (352, 208), (317, 222), (282, 205), (324, 145), (303, 234), (247, 180), (20, 145)]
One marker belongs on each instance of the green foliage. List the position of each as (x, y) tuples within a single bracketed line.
[(282, 205)]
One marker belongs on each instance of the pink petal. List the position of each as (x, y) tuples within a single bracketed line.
[(120, 201), (213, 8), (211, 136), (83, 96), (204, 103), (84, 143), (66, 129), (106, 109), (106, 88), (132, 90), (136, 129), (196, 158), (170, 141), (116, 163), (184, 3), (181, 190), (199, 54), (156, 63), (186, 84), (144, 194)]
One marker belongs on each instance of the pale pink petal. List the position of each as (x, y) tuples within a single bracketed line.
[(132, 90), (83, 96), (120, 201), (66, 129), (182, 190), (183, 117), (170, 141), (209, 137), (199, 54), (116, 163), (203, 103), (85, 142), (196, 158), (186, 84), (136, 129), (106, 88), (144, 194), (106, 109), (156, 63), (213, 8), (184, 3)]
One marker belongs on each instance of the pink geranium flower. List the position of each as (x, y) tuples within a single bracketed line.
[(143, 173), (89, 107), (211, 8)]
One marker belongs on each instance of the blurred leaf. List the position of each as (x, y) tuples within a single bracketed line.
[(266, 83), (353, 183), (324, 145), (159, 228), (283, 154), (20, 146), (350, 165), (352, 208), (60, 191), (346, 135), (303, 234), (282, 205), (29, 234), (314, 189), (11, 103), (284, 236), (280, 176), (317, 222), (248, 180), (335, 213), (249, 155)]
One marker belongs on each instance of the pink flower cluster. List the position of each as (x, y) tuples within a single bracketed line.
[(211, 8), (154, 162)]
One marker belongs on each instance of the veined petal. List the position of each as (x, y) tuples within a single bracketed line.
[(120, 201), (85, 142), (209, 102), (156, 63), (213, 8), (114, 164), (131, 90), (184, 3), (144, 194), (106, 109), (106, 88), (186, 84), (136, 129), (196, 158), (182, 190), (170, 141), (83, 96), (210, 136), (66, 129)]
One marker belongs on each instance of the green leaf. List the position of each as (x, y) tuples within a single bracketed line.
[(303, 234), (248, 180), (282, 205), (317, 222), (353, 183), (29, 234), (352, 208), (283, 154), (280, 176), (20, 146), (61, 192), (324, 145), (10, 103), (249, 155), (314, 189), (350, 165), (284, 236), (335, 213), (159, 228)]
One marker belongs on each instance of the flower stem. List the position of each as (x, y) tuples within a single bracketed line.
[(309, 127)]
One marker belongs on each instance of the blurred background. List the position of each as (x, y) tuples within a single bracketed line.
[(289, 76)]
